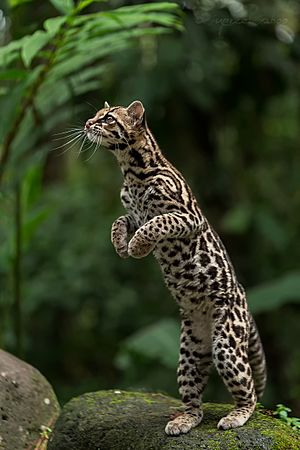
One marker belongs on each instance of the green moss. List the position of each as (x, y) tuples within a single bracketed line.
[(281, 440), (124, 396), (136, 420)]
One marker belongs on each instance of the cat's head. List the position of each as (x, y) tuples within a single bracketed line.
[(116, 127)]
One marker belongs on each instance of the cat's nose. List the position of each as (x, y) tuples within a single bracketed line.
[(88, 124)]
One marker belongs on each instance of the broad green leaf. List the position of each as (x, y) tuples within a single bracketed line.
[(63, 6), (87, 74), (88, 41), (87, 54), (151, 7), (128, 15), (11, 51), (275, 293), (89, 86), (52, 25), (95, 49), (158, 341), (33, 44), (52, 96)]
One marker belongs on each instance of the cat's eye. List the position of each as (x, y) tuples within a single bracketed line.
[(110, 120)]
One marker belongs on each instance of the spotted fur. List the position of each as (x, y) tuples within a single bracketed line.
[(163, 217)]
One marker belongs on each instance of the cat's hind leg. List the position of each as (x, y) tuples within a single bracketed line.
[(192, 375), (230, 355)]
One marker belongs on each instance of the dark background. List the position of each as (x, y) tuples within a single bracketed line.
[(222, 99)]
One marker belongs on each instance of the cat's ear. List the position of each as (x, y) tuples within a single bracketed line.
[(137, 111), (106, 105)]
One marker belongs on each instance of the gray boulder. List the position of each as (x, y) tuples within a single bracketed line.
[(135, 421), (28, 406)]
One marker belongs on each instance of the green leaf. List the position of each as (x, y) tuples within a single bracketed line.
[(88, 41), (93, 50), (32, 46), (275, 293), (63, 6), (129, 16), (283, 414), (152, 6), (52, 25), (158, 342), (34, 43), (87, 74), (11, 51)]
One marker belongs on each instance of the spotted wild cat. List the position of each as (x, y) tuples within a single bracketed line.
[(163, 217)]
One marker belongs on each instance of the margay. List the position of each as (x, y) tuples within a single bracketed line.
[(163, 217)]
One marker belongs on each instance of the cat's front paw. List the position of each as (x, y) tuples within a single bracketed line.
[(120, 245), (122, 250), (139, 248), (119, 238)]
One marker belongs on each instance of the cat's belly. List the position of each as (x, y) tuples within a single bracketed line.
[(190, 274), (181, 270)]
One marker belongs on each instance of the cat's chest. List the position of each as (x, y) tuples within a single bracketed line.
[(135, 199)]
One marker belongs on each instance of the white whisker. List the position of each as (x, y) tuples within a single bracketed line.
[(74, 133), (94, 107), (69, 130), (75, 141), (82, 144), (96, 148), (86, 149), (100, 141), (78, 136), (94, 151)]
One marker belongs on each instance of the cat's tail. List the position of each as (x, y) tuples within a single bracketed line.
[(257, 359)]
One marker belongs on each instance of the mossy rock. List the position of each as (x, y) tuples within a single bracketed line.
[(122, 420)]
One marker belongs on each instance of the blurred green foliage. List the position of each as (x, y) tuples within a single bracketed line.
[(283, 414), (222, 98)]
